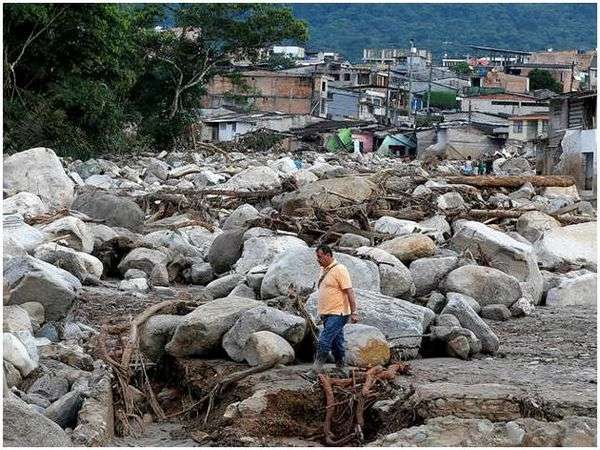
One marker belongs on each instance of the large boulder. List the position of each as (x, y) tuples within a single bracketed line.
[(261, 178), (144, 259), (284, 165), (299, 266), (264, 250), (175, 240), (15, 318), (391, 225), (15, 353), (264, 347), (201, 238), (410, 247), (263, 318), (486, 285), (532, 225), (39, 171), (396, 279), (25, 427), (428, 272), (328, 194), (25, 204), (366, 346), (225, 250), (436, 227), (74, 233), (502, 252), (574, 291), (115, 211), (573, 244), (303, 177), (513, 166), (50, 387), (451, 202), (80, 264), (18, 237), (32, 280), (64, 410), (238, 218), (395, 318), (200, 331), (468, 318), (222, 287)]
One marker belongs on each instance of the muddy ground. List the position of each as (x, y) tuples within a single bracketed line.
[(550, 356)]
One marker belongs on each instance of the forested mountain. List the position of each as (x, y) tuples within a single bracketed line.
[(348, 28)]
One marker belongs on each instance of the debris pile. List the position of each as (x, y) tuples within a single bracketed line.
[(117, 269)]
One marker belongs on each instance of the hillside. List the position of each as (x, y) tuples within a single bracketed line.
[(348, 28)]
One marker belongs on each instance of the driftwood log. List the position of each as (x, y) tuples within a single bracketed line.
[(514, 182), (486, 214)]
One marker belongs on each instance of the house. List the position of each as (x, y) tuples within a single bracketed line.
[(291, 51), (225, 125), (510, 83), (528, 127), (572, 140), (266, 91), (391, 56), (460, 140), (507, 103)]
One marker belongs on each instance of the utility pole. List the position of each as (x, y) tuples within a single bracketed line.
[(429, 89), (410, 98), (387, 93), (572, 76)]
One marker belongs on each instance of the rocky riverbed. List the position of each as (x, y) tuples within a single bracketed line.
[(167, 299)]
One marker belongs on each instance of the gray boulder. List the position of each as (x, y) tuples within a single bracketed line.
[(16, 353), (243, 290), (25, 427), (25, 204), (135, 285), (391, 225), (527, 191), (501, 252), (156, 332), (522, 307), (28, 277), (201, 273), (225, 250), (486, 285), (264, 250), (18, 238), (436, 302), (221, 287), (132, 274), (240, 217), (39, 171), (469, 319), (263, 318), (573, 244), (427, 273), (353, 240), (74, 233), (259, 178), (143, 259), (436, 227), (532, 225), (80, 264), (392, 316), (49, 387), (495, 312), (299, 266), (64, 410), (114, 210), (264, 347), (175, 240), (396, 279), (15, 318), (200, 331), (450, 202), (574, 291)]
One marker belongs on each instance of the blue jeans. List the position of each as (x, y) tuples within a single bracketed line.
[(331, 338)]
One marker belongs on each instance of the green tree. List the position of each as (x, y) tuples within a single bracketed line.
[(278, 61), (441, 99), (462, 68), (542, 79)]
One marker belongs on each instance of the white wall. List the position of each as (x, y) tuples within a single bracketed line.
[(486, 106)]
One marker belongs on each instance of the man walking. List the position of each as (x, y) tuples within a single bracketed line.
[(337, 304)]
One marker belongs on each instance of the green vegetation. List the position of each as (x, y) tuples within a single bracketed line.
[(348, 28), (441, 99), (95, 78), (462, 68), (542, 79)]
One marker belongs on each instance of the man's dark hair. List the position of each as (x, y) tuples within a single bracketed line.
[(325, 249)]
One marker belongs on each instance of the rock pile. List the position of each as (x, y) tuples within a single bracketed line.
[(429, 274)]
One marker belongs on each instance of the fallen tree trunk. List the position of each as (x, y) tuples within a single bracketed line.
[(515, 182), (485, 214)]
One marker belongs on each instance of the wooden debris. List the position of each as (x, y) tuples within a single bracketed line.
[(489, 181)]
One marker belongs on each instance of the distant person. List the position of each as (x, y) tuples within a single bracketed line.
[(468, 166), (481, 167), (489, 164)]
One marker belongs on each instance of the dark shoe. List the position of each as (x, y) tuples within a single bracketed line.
[(317, 367)]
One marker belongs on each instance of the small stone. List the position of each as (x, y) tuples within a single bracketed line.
[(135, 273), (522, 307), (495, 312)]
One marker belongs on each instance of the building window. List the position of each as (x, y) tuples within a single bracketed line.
[(544, 126), (323, 86), (234, 127), (323, 107), (223, 126), (588, 161), (346, 77), (518, 126)]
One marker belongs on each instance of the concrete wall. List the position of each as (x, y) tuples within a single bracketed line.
[(502, 106), (461, 142), (343, 104), (531, 129), (366, 139)]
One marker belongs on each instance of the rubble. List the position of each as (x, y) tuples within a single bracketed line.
[(176, 275)]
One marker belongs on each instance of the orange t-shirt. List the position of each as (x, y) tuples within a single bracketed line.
[(332, 298)]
